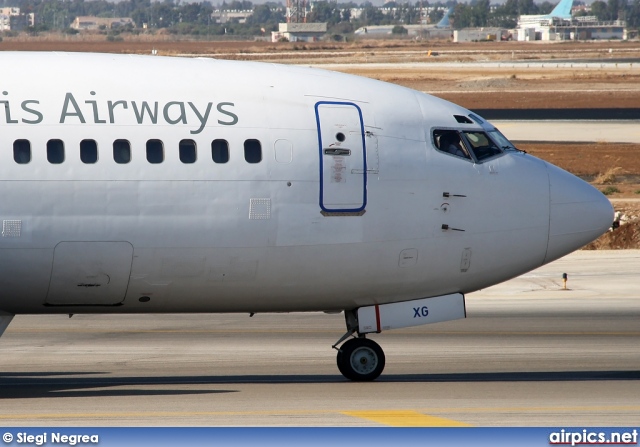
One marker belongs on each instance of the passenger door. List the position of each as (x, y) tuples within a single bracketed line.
[(343, 165)]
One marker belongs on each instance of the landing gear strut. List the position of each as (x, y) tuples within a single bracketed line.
[(359, 359)]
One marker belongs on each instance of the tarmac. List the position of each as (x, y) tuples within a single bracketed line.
[(570, 131)]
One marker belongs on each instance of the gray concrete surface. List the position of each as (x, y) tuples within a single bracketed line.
[(434, 66), (528, 354), (581, 131)]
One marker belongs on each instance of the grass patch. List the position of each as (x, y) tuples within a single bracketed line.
[(608, 177), (610, 190)]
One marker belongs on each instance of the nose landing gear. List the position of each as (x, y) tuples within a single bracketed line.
[(360, 359)]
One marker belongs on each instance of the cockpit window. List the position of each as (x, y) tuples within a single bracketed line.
[(481, 145), (449, 141), (500, 139)]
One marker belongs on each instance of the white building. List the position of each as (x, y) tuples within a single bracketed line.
[(421, 31), (12, 20), (577, 28), (560, 24), (480, 34), (299, 32), (5, 22), (91, 23), (224, 15)]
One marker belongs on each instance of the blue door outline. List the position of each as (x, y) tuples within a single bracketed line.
[(362, 170)]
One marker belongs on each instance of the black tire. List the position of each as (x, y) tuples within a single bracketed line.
[(360, 360)]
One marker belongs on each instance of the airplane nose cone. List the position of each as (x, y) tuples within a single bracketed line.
[(578, 213)]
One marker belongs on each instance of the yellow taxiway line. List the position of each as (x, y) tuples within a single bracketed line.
[(405, 418)]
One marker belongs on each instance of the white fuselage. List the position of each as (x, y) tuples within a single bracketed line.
[(333, 196)]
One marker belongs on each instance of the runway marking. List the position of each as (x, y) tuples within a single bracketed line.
[(584, 409), (393, 418), (405, 418), (388, 417)]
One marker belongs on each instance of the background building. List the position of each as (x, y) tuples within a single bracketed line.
[(11, 19), (299, 32), (226, 15), (560, 24), (96, 23)]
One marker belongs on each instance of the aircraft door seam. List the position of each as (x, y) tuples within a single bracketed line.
[(339, 172)]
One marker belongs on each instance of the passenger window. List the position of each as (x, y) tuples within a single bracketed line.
[(449, 141), (187, 151), (481, 145), (220, 151), (252, 151), (121, 151), (22, 151), (55, 151), (155, 151), (88, 151)]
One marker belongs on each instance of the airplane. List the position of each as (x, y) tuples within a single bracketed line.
[(443, 24), (561, 13), (147, 184), (562, 10), (444, 21)]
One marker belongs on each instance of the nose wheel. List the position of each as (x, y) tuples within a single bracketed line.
[(360, 359)]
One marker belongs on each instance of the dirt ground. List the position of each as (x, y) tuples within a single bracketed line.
[(518, 85), (531, 75), (385, 50), (613, 169)]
